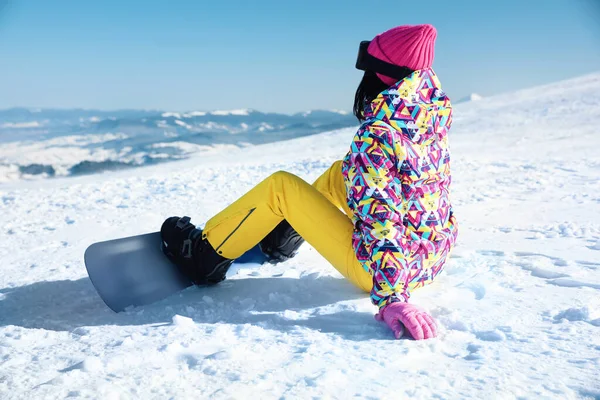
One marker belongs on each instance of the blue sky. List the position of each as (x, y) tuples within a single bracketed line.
[(283, 56)]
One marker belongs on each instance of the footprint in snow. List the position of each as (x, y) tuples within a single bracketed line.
[(478, 289), (219, 355), (191, 360), (564, 282), (555, 278), (531, 254), (577, 314), (595, 246), (588, 264), (474, 354), (542, 273), (493, 253), (491, 336)]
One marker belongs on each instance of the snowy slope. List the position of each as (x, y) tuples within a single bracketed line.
[(518, 305)]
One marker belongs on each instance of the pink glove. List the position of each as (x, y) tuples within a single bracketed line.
[(397, 316)]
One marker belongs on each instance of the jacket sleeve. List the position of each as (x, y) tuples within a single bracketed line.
[(374, 195)]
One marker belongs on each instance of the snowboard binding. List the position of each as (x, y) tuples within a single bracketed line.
[(190, 251)]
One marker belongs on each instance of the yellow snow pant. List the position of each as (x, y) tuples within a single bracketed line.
[(313, 211)]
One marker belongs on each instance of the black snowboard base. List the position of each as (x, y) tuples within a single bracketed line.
[(133, 271)]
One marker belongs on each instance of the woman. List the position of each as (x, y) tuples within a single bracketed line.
[(381, 216)]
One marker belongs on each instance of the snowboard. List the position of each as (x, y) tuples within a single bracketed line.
[(133, 271)]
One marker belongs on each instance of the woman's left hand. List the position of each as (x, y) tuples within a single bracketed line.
[(418, 322)]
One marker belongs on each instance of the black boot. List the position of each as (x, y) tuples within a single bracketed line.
[(185, 246), (281, 244)]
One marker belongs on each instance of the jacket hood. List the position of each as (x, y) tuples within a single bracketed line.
[(415, 106)]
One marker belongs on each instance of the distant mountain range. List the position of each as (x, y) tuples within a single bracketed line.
[(471, 97), (38, 143), (253, 125)]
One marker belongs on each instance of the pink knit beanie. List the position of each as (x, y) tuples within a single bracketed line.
[(409, 46)]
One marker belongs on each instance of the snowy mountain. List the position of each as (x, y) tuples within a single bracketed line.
[(469, 98), (51, 122), (518, 305), (47, 143)]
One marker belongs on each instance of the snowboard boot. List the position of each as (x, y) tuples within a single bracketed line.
[(281, 244), (184, 245)]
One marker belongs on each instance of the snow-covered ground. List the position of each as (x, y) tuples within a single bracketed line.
[(518, 305)]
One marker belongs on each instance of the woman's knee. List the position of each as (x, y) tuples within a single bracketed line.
[(284, 178)]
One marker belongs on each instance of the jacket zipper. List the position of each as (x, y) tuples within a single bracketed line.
[(236, 228)]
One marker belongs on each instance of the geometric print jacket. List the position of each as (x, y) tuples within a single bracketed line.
[(397, 176)]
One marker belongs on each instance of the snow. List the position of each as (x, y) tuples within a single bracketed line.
[(517, 305), (194, 114), (471, 97), (21, 125), (189, 148), (171, 114), (162, 123), (310, 112), (213, 126), (341, 112), (60, 152), (265, 127), (181, 123), (231, 112)]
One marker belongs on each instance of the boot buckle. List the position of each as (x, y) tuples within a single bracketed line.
[(183, 222), (187, 248)]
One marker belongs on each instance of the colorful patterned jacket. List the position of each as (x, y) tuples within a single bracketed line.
[(397, 176)]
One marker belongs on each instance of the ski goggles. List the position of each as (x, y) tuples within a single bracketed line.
[(366, 62)]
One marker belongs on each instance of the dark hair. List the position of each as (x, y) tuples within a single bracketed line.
[(368, 89)]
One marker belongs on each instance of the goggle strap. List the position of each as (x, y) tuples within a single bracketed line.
[(366, 62)]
